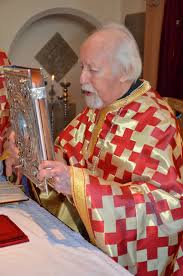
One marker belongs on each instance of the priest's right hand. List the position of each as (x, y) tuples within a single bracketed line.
[(59, 172)]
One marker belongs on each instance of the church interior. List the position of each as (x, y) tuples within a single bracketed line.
[(48, 35), (36, 32)]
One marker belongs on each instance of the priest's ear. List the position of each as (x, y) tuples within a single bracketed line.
[(124, 78), (126, 75)]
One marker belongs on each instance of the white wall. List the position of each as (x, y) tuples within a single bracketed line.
[(25, 27), (14, 14), (37, 35)]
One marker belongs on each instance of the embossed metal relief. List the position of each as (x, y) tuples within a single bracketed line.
[(57, 57), (29, 118)]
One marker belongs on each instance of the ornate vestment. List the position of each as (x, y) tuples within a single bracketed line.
[(127, 180), (4, 106)]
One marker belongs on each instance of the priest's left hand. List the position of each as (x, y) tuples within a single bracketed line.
[(60, 174)]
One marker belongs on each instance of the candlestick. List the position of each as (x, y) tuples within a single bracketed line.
[(52, 94), (64, 98), (52, 90)]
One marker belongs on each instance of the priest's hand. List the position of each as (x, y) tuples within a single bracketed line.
[(59, 173), (12, 152)]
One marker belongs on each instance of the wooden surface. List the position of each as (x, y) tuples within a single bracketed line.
[(153, 26), (177, 105)]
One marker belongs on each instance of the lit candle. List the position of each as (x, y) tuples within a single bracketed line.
[(52, 78)]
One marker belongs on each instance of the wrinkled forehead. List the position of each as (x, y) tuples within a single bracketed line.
[(97, 47)]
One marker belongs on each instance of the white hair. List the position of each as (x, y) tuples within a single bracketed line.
[(126, 51)]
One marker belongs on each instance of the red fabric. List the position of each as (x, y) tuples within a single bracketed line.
[(10, 233), (4, 106), (170, 75), (133, 181)]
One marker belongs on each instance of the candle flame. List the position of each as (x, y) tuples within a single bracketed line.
[(52, 77)]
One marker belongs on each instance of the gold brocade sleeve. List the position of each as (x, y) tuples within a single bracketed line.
[(78, 192)]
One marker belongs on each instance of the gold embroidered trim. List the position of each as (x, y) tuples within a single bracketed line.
[(143, 88), (96, 131), (79, 197)]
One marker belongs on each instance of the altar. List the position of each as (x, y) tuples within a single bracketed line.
[(53, 249)]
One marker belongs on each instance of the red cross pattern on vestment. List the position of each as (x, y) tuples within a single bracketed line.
[(121, 237), (164, 137), (169, 181), (107, 166), (152, 242), (74, 151), (85, 120), (146, 118), (96, 191), (97, 225), (66, 134), (143, 269), (143, 160), (123, 142)]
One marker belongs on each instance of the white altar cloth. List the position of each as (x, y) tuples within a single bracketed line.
[(53, 249)]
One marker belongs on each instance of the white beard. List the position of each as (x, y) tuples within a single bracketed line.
[(93, 100)]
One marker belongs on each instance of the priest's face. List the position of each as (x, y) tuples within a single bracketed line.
[(100, 72)]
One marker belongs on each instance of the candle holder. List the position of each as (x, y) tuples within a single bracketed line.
[(52, 90), (52, 94), (65, 85)]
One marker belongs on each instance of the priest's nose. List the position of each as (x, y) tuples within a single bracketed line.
[(85, 76)]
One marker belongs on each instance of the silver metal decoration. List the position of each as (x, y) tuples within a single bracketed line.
[(30, 119)]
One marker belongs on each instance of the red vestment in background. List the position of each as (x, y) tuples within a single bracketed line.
[(4, 106)]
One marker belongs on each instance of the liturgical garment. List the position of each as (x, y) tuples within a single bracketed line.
[(127, 180)]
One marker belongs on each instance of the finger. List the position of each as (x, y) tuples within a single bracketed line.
[(51, 172), (19, 176), (9, 166), (44, 173), (58, 184), (61, 186), (49, 164), (15, 152), (11, 149), (11, 136), (10, 140), (9, 171), (12, 152)]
